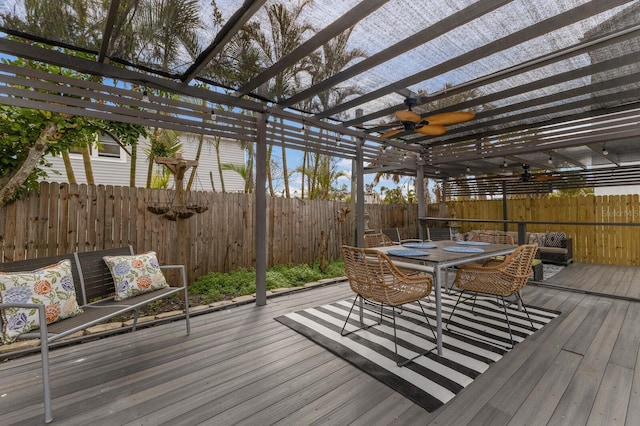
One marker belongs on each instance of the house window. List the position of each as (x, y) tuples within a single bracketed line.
[(106, 148)]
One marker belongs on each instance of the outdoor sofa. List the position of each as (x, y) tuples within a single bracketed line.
[(553, 247)]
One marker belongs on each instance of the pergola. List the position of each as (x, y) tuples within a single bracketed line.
[(554, 84)]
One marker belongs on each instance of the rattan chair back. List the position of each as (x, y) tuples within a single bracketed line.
[(497, 238), (373, 276), (377, 240), (500, 279)]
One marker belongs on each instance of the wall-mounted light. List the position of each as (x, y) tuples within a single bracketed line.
[(550, 160), (468, 169), (604, 150), (504, 164), (302, 129), (213, 115)]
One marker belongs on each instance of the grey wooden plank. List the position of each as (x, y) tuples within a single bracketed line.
[(315, 410), (625, 351), (633, 411), (581, 339), (385, 412), (576, 403), (490, 415), (374, 393), (463, 408), (518, 389), (538, 408), (612, 400), (250, 406), (634, 287)]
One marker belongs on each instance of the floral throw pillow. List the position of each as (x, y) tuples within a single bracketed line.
[(538, 238), (134, 275), (51, 286)]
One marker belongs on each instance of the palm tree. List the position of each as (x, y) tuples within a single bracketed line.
[(284, 34), (166, 31), (331, 59)]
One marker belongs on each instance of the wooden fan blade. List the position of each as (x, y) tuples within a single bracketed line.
[(431, 130), (408, 116), (391, 133), (447, 118)]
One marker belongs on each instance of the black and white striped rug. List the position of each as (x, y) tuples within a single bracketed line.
[(430, 381)]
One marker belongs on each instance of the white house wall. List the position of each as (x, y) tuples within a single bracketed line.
[(115, 171)]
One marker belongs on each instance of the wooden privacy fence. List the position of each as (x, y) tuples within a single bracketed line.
[(593, 243), (63, 218)]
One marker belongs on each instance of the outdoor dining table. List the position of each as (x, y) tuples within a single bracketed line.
[(437, 259)]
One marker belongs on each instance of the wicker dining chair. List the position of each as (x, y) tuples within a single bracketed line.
[(376, 280), (497, 238), (377, 240), (501, 279)]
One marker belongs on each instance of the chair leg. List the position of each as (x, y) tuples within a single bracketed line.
[(342, 333), (44, 354), (453, 310), (525, 309), (395, 337), (506, 315)]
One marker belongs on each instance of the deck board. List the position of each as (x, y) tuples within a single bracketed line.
[(239, 366)]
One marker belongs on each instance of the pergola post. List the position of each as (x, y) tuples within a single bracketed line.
[(420, 194), (260, 220), (360, 193)]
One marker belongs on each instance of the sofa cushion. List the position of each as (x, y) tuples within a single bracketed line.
[(554, 239), (557, 250), (538, 238)]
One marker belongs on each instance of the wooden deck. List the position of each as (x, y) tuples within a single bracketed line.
[(239, 366)]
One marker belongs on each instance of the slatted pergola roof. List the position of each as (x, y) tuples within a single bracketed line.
[(554, 84)]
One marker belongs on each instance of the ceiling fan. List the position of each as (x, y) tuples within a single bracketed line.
[(527, 176), (433, 125)]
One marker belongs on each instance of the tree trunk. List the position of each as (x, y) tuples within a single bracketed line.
[(88, 167), (134, 160), (71, 176), (218, 160), (269, 177), (150, 170), (19, 177), (285, 173), (303, 170), (195, 168)]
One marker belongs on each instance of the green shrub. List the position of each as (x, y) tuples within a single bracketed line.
[(217, 286)]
